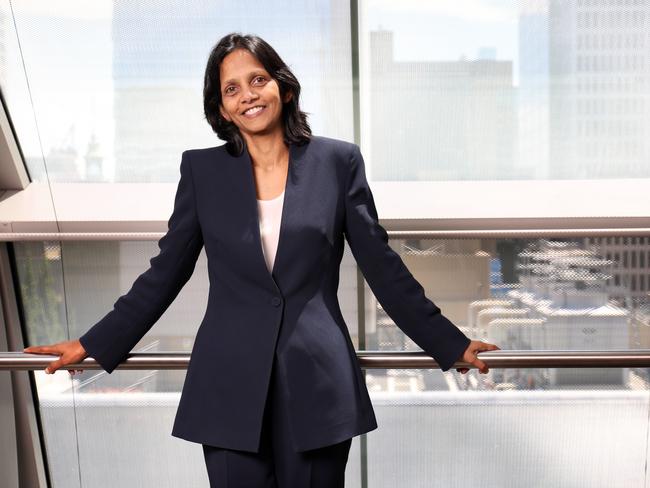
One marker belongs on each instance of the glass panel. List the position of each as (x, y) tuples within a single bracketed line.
[(487, 89), (515, 427), (97, 97), (517, 293), (571, 436), (66, 287)]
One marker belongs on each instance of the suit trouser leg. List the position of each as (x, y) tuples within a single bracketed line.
[(230, 468), (277, 465), (316, 468)]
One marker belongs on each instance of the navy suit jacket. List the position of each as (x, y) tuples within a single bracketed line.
[(293, 312)]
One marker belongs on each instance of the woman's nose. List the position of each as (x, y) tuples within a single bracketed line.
[(250, 95)]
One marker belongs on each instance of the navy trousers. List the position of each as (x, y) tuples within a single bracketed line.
[(277, 465)]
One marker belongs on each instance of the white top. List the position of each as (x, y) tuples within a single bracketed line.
[(270, 214)]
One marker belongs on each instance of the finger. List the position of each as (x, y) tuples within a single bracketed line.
[(52, 367), (481, 366), (43, 350)]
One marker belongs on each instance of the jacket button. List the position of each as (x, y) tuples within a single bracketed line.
[(275, 301)]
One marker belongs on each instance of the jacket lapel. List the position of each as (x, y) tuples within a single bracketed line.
[(290, 213)]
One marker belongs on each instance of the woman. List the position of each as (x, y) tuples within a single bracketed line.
[(284, 413)]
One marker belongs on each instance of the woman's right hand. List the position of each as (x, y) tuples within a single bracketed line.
[(471, 355), (70, 352)]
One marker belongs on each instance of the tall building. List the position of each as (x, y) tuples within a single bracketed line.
[(599, 67), (437, 120)]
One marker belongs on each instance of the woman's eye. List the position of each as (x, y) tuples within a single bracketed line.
[(231, 89)]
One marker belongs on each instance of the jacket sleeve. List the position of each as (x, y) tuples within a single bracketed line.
[(111, 339), (399, 293)]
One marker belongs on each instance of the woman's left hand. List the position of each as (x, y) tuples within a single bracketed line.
[(470, 355)]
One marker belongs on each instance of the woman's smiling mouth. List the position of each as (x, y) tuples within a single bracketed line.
[(254, 111)]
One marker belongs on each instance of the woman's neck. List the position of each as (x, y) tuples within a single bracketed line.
[(267, 151)]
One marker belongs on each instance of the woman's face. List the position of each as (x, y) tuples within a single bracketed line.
[(245, 84)]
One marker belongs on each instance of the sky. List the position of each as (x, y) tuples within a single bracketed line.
[(446, 30)]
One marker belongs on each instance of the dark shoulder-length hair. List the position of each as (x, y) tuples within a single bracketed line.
[(296, 128)]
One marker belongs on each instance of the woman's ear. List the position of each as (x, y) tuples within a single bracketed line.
[(288, 96)]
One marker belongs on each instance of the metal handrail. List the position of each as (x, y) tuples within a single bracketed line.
[(622, 358), (475, 233)]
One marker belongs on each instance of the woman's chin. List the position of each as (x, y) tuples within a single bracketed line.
[(261, 129)]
